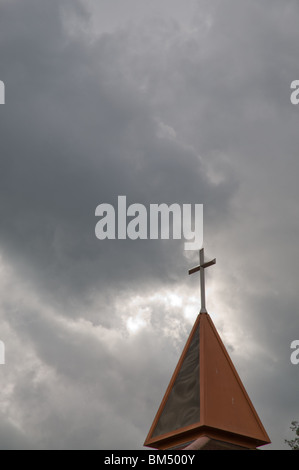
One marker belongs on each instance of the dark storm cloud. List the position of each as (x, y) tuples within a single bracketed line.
[(160, 111), (77, 132), (11, 438)]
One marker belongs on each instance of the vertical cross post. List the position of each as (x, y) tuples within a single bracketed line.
[(201, 268)]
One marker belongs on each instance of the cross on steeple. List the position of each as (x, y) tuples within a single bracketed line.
[(201, 268)]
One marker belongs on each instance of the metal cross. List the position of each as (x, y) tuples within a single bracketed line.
[(201, 268)]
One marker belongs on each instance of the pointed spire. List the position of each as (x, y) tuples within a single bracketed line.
[(206, 398)]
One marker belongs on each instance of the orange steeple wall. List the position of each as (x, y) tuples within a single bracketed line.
[(205, 399)]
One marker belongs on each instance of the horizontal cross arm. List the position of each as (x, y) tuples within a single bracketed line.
[(205, 265), (194, 270), (209, 263)]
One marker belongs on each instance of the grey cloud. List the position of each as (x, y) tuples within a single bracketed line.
[(188, 110), (12, 438), (85, 134)]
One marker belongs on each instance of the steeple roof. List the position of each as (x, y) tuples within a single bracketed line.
[(206, 398)]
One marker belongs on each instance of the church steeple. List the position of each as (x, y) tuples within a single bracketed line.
[(206, 403)]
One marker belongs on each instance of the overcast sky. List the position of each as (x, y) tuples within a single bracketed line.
[(164, 102)]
